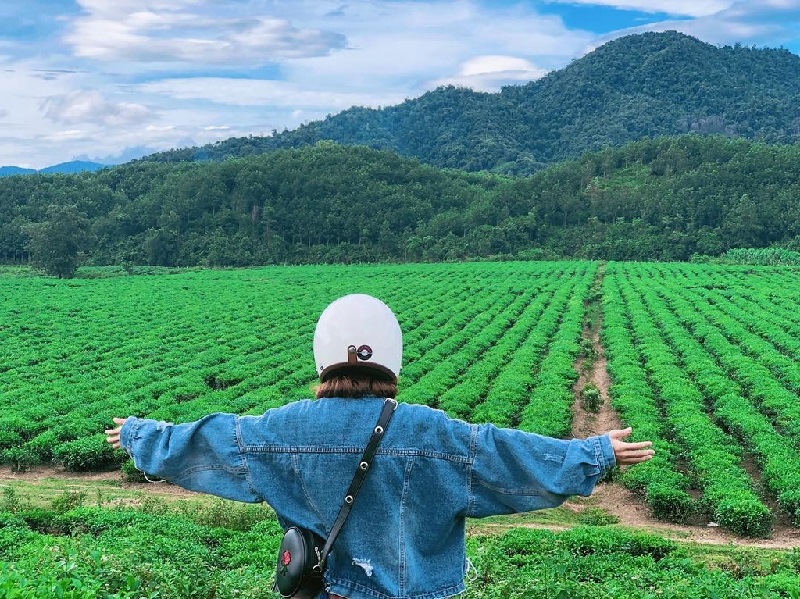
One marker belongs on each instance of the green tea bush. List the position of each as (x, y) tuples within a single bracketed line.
[(611, 540), (509, 333), (669, 503), (9, 438), (591, 398), (10, 518), (233, 516), (589, 353), (42, 520), (68, 500), (87, 453), (790, 502), (656, 473), (12, 537), (761, 256), (41, 446), (744, 516), (596, 517), (131, 474), (125, 553), (10, 502), (16, 585), (591, 563), (14, 429), (19, 458)]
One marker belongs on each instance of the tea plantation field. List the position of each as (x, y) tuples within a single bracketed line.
[(704, 360)]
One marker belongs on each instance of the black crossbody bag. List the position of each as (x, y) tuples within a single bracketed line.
[(303, 555)]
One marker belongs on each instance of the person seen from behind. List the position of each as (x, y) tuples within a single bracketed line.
[(405, 535)]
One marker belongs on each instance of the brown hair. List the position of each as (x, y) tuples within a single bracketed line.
[(356, 385)]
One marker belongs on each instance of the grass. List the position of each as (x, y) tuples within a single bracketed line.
[(231, 548), (51, 491), (42, 492), (64, 492)]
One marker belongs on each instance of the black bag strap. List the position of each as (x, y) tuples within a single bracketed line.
[(389, 406)]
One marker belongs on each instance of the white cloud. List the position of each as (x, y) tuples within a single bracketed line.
[(405, 48), (54, 120), (122, 7), (129, 153), (687, 8), (68, 135), (259, 65), (767, 23), (258, 92), (23, 94), (167, 32), (91, 107), (488, 73)]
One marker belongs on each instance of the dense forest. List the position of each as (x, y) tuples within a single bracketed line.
[(639, 86), (663, 199)]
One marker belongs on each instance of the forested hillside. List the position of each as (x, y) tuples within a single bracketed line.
[(665, 199), (639, 86)]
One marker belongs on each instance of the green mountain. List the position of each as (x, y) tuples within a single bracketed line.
[(663, 199), (8, 171), (74, 166), (634, 87)]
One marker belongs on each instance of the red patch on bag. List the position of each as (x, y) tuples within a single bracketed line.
[(286, 558)]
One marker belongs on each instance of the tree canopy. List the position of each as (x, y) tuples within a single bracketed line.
[(664, 199)]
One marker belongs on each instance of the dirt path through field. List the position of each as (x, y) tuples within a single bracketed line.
[(41, 475), (615, 499)]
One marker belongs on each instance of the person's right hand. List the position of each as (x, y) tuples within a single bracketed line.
[(629, 453)]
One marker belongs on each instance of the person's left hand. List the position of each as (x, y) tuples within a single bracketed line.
[(112, 434), (629, 453)]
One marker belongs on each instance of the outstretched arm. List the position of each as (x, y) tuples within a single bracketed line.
[(200, 456), (516, 471), (629, 453)]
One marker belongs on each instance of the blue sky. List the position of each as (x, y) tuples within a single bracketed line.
[(112, 79)]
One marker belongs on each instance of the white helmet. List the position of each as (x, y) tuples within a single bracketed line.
[(358, 331)]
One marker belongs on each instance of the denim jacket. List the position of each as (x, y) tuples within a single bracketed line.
[(405, 536)]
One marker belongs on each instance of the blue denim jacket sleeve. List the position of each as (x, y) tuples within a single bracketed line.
[(200, 456), (515, 471)]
